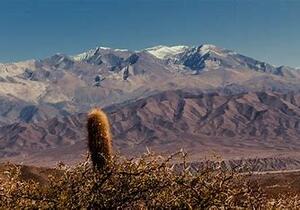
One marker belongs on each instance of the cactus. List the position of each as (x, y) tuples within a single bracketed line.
[(99, 138)]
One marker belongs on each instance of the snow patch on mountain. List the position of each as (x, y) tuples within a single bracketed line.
[(85, 55), (92, 52), (163, 52), (121, 50), (207, 48)]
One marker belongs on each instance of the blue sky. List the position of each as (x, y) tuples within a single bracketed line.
[(268, 30)]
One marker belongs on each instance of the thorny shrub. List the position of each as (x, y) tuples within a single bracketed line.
[(148, 182)]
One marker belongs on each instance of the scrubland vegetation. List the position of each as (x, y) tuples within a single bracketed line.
[(147, 182), (150, 181)]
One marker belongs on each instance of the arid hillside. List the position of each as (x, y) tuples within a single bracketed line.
[(204, 99), (249, 125)]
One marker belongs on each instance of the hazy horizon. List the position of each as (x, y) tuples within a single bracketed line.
[(265, 30)]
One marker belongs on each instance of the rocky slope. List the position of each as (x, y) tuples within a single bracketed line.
[(204, 99), (245, 125)]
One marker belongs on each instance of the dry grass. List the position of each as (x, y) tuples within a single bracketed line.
[(147, 182)]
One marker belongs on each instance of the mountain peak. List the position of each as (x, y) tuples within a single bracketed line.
[(92, 52), (209, 48), (163, 52), (85, 55)]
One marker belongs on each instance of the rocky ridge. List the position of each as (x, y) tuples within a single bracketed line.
[(201, 98)]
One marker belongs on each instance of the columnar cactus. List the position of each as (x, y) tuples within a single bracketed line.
[(99, 138)]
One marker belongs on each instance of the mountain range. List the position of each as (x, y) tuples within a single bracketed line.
[(204, 99)]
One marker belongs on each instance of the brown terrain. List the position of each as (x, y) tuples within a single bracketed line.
[(259, 125), (274, 184), (206, 100)]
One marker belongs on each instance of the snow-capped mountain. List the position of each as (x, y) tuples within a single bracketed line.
[(94, 52), (203, 57), (117, 73), (42, 101), (164, 52)]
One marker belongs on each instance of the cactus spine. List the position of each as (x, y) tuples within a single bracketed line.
[(99, 138)]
